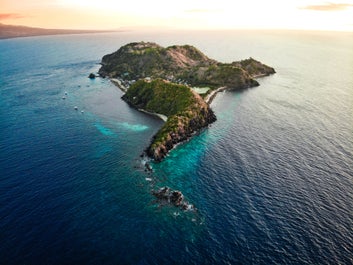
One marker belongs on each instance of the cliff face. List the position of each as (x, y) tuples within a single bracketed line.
[(180, 64), (187, 112)]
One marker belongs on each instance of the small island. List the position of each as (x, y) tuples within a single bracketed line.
[(177, 82)]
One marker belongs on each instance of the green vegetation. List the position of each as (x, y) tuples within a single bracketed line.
[(160, 96), (219, 75), (186, 112), (171, 126), (184, 64), (254, 68)]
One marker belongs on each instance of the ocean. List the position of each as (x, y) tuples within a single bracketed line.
[(272, 178)]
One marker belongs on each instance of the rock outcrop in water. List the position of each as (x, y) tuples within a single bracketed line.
[(165, 77), (91, 76), (167, 196)]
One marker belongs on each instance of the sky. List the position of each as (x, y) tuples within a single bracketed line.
[(334, 15)]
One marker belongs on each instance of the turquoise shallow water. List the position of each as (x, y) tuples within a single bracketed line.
[(271, 179)]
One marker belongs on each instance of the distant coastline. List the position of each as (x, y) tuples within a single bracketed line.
[(12, 31)]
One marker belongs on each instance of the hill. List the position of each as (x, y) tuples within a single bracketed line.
[(165, 77), (187, 112), (181, 64)]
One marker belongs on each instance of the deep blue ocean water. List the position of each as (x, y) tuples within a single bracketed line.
[(272, 178)]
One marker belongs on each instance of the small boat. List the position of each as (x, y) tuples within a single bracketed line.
[(63, 97), (65, 92), (76, 108), (82, 111)]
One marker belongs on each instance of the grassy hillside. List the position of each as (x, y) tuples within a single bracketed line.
[(180, 64), (186, 111), (160, 96)]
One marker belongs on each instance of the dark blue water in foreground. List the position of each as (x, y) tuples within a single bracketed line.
[(272, 179)]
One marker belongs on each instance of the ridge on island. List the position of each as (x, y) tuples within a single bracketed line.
[(166, 81)]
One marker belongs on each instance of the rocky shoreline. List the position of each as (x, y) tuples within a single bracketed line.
[(195, 126)]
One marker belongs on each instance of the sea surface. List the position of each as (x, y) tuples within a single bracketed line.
[(272, 178)]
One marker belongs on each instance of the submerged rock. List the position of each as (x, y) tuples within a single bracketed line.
[(148, 167), (92, 76)]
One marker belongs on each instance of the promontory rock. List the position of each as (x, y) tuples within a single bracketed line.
[(161, 80), (187, 112)]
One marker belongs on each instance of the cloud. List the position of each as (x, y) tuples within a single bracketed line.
[(328, 7), (10, 16)]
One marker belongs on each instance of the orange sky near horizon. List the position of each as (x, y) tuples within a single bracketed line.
[(183, 14)]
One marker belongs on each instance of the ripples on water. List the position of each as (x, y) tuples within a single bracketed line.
[(271, 179)]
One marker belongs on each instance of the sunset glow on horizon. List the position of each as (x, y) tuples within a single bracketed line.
[(182, 14)]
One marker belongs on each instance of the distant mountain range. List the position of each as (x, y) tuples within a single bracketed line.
[(11, 31)]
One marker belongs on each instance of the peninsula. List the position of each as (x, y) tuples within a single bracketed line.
[(178, 82), (14, 31)]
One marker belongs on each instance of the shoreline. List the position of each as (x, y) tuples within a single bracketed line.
[(259, 76), (119, 84), (161, 116), (20, 31), (123, 88), (213, 94)]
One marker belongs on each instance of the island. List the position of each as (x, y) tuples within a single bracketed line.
[(178, 83)]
